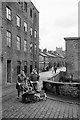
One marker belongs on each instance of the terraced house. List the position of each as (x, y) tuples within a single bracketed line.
[(19, 39)]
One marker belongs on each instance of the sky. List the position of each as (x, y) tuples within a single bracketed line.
[(57, 19)]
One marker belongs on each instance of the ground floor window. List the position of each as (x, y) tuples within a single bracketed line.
[(25, 67), (30, 68), (18, 67)]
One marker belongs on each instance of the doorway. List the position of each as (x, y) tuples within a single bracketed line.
[(9, 71), (18, 67), (30, 68), (25, 67)]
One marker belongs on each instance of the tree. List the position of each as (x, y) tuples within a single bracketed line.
[(45, 50)]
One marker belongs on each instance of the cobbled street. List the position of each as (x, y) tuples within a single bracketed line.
[(50, 108)]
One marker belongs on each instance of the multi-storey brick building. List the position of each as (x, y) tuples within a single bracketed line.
[(19, 39)]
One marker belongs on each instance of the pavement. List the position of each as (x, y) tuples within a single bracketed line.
[(53, 107)]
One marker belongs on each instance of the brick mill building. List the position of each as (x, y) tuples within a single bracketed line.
[(19, 39)]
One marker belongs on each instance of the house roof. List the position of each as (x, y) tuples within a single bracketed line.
[(42, 54), (58, 55), (50, 55)]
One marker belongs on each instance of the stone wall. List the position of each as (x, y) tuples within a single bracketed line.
[(72, 57)]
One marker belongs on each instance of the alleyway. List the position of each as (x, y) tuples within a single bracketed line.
[(51, 108)]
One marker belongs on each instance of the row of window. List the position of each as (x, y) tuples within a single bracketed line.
[(18, 22), (25, 7), (9, 42)]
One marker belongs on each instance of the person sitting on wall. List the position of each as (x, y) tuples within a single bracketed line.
[(55, 68), (71, 77), (21, 79), (52, 69), (34, 78)]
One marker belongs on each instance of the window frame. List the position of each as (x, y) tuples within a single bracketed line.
[(35, 46), (30, 12), (31, 46), (9, 38), (25, 45), (25, 26), (25, 67), (18, 67), (25, 6), (8, 13), (31, 30), (35, 34), (18, 21), (18, 43)]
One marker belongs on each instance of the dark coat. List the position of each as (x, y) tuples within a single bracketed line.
[(34, 77)]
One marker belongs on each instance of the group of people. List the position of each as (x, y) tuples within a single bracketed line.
[(54, 69), (23, 80)]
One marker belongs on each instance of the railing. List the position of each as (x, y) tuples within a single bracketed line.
[(62, 88)]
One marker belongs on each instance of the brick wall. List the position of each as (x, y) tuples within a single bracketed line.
[(12, 53), (72, 57), (0, 43)]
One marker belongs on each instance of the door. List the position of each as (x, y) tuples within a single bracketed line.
[(9, 71), (30, 68), (18, 67), (25, 67)]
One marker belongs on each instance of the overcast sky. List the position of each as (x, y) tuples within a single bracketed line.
[(57, 19)]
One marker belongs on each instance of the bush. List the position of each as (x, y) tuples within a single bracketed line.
[(69, 90)]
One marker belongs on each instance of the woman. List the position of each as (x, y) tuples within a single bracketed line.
[(34, 78), (21, 78)]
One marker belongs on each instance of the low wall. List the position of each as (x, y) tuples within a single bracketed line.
[(57, 76), (61, 88)]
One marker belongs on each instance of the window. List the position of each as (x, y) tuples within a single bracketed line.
[(25, 67), (18, 43), (30, 12), (35, 48), (8, 39), (18, 67), (35, 34), (31, 31), (25, 27), (31, 47), (8, 13), (35, 18), (25, 6), (18, 21), (25, 45)]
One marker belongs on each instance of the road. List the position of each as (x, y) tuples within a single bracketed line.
[(46, 75), (51, 108)]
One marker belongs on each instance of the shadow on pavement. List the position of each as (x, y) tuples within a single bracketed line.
[(62, 98)]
